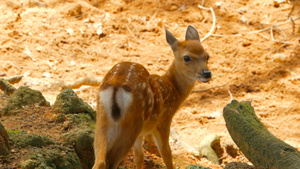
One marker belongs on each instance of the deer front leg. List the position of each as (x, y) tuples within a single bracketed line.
[(138, 152), (161, 137)]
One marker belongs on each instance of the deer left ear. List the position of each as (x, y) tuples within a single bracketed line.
[(191, 33)]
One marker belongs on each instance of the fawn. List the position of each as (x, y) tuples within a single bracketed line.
[(131, 103)]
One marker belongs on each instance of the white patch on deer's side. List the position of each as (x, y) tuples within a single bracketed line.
[(144, 86), (106, 99), (123, 99)]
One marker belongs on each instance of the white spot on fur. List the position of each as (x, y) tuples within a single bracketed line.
[(151, 109), (144, 86), (149, 101), (131, 69), (143, 104)]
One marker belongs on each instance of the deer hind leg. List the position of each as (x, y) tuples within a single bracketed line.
[(138, 152), (161, 137)]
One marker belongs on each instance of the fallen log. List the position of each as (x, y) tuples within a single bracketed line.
[(257, 143)]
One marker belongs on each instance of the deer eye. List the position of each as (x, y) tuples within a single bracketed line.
[(207, 57), (186, 58)]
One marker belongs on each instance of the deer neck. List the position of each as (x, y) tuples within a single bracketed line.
[(182, 84)]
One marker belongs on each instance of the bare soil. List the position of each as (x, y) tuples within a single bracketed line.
[(51, 42)]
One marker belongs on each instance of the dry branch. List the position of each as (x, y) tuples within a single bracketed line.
[(272, 36), (214, 87), (83, 81), (258, 144), (261, 30), (212, 30)]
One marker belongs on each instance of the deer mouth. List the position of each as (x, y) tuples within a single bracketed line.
[(202, 78)]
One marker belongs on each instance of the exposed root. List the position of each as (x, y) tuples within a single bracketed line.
[(14, 79), (206, 148)]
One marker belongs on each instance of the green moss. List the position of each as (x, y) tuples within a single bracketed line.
[(196, 167), (52, 157), (23, 139), (82, 139), (4, 145), (67, 102), (61, 118), (24, 96)]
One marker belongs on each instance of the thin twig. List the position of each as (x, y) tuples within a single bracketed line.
[(154, 14), (277, 49), (212, 30), (259, 31), (279, 24), (214, 87), (138, 32), (271, 31), (272, 36), (131, 33), (235, 52), (231, 98)]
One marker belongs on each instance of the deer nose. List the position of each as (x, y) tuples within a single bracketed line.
[(206, 74)]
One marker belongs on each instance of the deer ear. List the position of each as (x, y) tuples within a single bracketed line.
[(171, 39), (191, 33)]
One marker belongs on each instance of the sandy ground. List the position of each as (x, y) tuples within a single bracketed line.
[(51, 42)]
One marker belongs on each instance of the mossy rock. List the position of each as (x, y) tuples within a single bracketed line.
[(4, 145), (196, 167), (24, 96), (80, 118), (23, 139), (67, 102), (52, 157), (61, 118), (82, 139)]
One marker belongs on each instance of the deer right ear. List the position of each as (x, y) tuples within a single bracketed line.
[(171, 39), (191, 33)]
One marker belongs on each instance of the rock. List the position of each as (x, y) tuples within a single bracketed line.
[(238, 165), (80, 118), (83, 140), (24, 96), (23, 139), (61, 118), (53, 156), (68, 102), (4, 145), (196, 167)]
